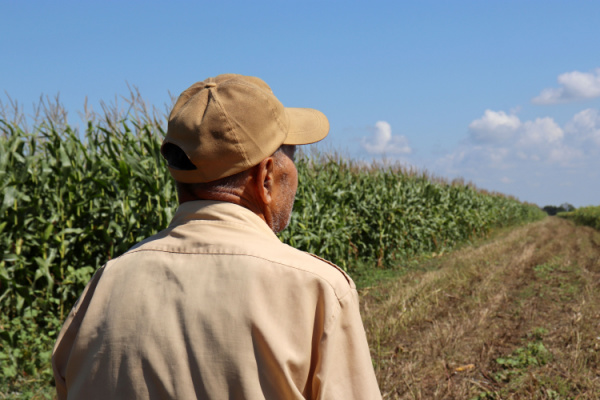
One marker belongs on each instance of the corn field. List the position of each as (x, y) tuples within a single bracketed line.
[(589, 216), (72, 200)]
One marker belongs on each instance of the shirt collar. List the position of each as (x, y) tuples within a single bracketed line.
[(209, 210)]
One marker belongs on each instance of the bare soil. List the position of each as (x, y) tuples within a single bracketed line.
[(514, 317)]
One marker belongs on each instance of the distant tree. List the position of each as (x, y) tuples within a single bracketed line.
[(550, 210), (567, 207), (553, 210)]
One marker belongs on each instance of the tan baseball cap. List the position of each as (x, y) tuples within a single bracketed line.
[(230, 123)]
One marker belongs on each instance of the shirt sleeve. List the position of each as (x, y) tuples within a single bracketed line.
[(345, 369)]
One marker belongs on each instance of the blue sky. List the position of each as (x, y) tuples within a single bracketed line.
[(505, 94)]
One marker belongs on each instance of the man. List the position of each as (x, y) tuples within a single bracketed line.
[(215, 306)]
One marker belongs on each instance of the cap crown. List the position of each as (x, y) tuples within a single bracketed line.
[(230, 123)]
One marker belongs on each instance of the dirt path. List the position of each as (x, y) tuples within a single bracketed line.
[(517, 317)]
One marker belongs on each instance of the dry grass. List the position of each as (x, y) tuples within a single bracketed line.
[(528, 297)]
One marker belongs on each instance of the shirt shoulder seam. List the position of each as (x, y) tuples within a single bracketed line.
[(325, 279)]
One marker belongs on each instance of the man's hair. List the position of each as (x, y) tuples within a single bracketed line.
[(177, 159)]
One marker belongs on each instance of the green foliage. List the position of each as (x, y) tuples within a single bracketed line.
[(25, 350), (346, 213), (485, 396), (515, 366), (68, 205), (589, 216), (70, 202), (534, 353)]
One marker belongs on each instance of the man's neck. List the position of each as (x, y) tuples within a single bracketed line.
[(226, 196)]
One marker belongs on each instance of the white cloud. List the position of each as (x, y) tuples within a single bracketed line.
[(382, 141), (530, 158), (540, 132), (473, 158), (527, 157), (585, 126), (501, 137), (494, 127), (501, 141), (574, 86), (564, 155)]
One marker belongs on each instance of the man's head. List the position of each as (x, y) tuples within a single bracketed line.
[(230, 139)]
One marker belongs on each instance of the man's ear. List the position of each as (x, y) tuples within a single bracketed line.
[(264, 180)]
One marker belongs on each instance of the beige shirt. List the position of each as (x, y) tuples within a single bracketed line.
[(215, 307)]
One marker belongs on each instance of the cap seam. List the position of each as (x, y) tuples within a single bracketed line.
[(229, 126)]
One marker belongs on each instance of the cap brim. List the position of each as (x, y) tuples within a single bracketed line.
[(306, 126)]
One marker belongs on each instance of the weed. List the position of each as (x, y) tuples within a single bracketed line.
[(532, 354)]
